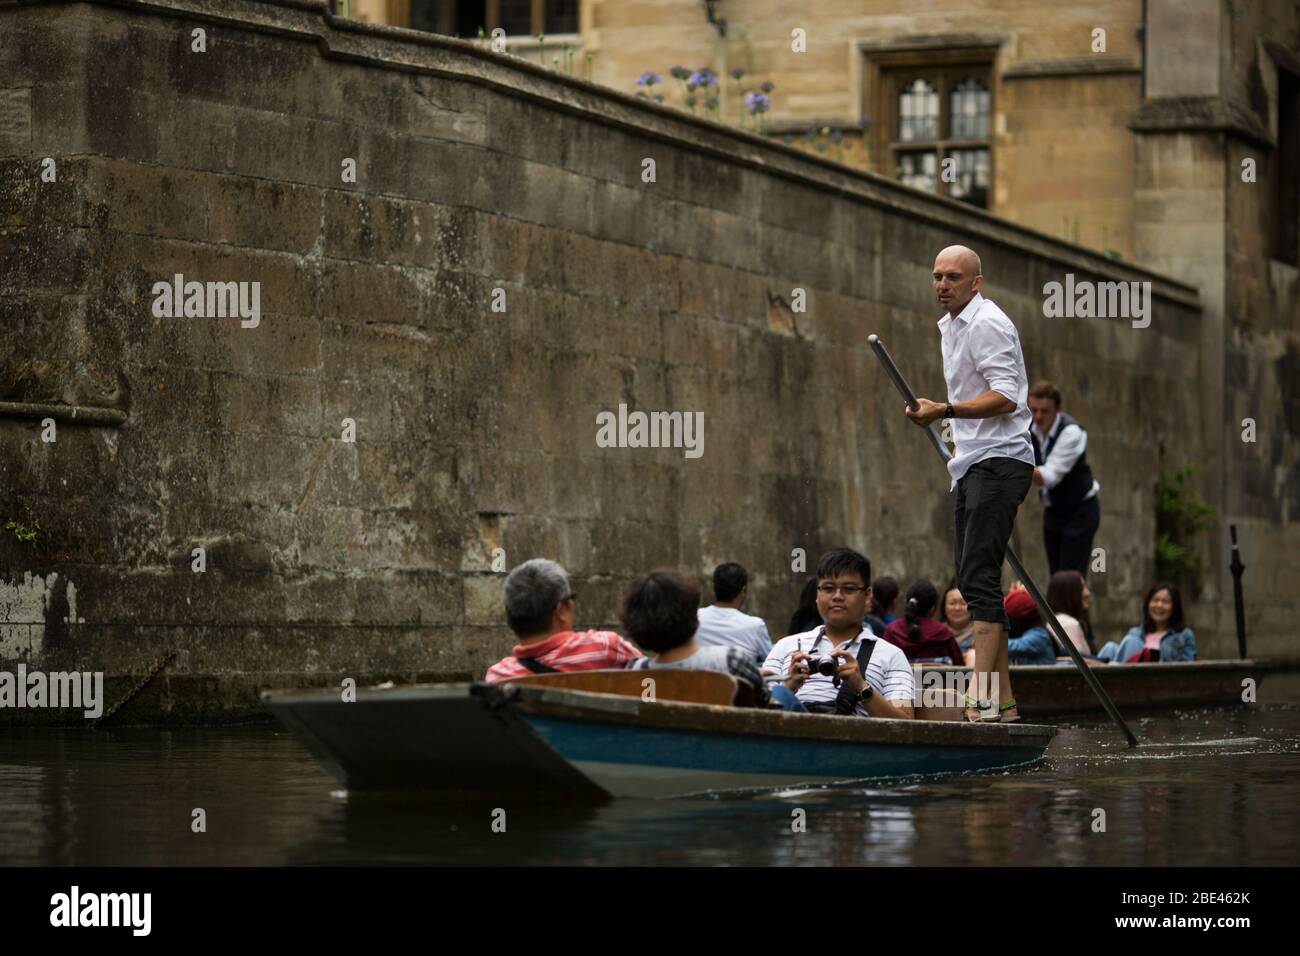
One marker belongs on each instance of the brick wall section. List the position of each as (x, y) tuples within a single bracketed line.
[(475, 430)]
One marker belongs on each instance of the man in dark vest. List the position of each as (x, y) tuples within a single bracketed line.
[(1072, 512)]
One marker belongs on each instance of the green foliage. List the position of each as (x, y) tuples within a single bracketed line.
[(23, 532), (26, 527), (1105, 244), (1181, 515), (1071, 229)]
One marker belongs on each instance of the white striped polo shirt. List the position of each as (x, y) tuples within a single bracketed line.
[(888, 671)]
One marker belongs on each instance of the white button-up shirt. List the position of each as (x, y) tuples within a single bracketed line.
[(981, 351), (1067, 450)]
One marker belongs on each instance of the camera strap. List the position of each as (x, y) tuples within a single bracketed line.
[(865, 659)]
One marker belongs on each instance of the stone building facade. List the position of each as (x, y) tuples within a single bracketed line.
[(1164, 133), (133, 153)]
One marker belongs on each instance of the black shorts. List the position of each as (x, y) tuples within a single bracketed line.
[(988, 496)]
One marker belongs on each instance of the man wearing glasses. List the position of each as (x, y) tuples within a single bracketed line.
[(541, 609), (882, 685)]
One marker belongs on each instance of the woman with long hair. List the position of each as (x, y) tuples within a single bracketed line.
[(805, 616), (1162, 636), (1069, 598), (917, 634)]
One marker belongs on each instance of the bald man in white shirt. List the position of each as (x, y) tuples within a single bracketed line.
[(993, 465)]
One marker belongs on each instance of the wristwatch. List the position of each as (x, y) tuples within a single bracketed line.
[(948, 411), (866, 694)]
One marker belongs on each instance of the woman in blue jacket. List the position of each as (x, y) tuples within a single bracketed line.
[(1163, 635), (1029, 641)]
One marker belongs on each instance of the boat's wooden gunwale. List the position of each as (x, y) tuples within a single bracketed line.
[(1169, 667), (1128, 670), (1055, 690), (707, 718)]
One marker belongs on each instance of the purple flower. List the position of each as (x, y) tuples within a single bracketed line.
[(702, 77), (690, 101), (767, 86), (757, 102), (679, 72), (737, 72), (649, 78)]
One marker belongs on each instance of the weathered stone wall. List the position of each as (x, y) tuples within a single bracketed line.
[(1261, 340), (475, 430), (1201, 218)]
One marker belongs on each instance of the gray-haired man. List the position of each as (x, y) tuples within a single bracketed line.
[(541, 609)]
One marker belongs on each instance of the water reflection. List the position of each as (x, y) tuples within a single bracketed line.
[(1211, 787)]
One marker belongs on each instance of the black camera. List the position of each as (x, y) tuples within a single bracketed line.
[(826, 666)]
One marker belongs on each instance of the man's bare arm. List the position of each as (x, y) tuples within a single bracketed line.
[(989, 404)]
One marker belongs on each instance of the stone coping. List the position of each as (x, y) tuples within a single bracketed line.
[(396, 48), (1073, 66)]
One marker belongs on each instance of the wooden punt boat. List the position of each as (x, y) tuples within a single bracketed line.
[(592, 735), (1052, 690)]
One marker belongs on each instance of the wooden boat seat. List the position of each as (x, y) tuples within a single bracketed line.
[(951, 709), (692, 687)]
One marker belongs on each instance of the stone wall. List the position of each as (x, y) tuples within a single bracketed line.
[(475, 430), (1200, 218)]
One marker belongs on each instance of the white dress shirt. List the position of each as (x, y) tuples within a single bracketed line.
[(1067, 450), (981, 351)]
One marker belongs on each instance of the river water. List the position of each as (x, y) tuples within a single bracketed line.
[(1213, 786)]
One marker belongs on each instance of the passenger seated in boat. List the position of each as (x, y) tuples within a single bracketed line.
[(954, 612), (880, 609), (660, 612), (541, 609), (887, 687), (723, 623), (917, 634), (1069, 598), (1029, 642), (1162, 636), (805, 616)]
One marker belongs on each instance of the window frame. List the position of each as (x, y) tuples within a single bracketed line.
[(885, 76), (400, 13)]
